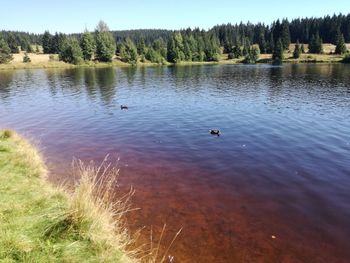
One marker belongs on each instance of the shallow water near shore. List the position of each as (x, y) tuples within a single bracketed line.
[(281, 167)]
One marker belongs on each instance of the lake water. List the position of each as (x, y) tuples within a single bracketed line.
[(280, 168)]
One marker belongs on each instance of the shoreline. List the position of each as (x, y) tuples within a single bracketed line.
[(265, 59)]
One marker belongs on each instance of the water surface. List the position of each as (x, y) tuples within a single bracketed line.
[(281, 167)]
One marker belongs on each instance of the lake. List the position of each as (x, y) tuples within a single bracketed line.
[(274, 187)]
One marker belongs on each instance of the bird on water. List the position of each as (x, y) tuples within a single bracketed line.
[(215, 132)]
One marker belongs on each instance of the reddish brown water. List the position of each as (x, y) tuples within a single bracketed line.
[(281, 167)]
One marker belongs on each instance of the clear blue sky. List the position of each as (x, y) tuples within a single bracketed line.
[(70, 16)]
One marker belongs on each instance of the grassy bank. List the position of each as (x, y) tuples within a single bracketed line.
[(40, 223)]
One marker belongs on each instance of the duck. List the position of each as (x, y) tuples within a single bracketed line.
[(215, 132), (123, 107)]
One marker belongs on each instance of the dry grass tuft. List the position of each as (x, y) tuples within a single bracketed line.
[(96, 214)]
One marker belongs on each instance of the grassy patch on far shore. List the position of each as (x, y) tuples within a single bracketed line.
[(40, 223)]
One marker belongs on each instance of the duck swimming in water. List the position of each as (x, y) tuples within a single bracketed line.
[(215, 132), (123, 107)]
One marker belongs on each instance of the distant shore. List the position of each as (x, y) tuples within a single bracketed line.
[(52, 61)]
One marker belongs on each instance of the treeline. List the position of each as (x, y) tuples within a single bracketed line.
[(290, 31), (101, 45), (237, 40), (20, 39)]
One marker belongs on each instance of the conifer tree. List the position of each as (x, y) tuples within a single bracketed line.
[(26, 58), (5, 52), (141, 47), (277, 55), (237, 52), (128, 52), (285, 34), (262, 43), (315, 45), (297, 50), (246, 47), (70, 51), (160, 46), (253, 55), (340, 48), (46, 42), (171, 54), (88, 45), (105, 43), (175, 52), (271, 44), (12, 43)]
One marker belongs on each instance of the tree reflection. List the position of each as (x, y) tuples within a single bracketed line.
[(6, 78)]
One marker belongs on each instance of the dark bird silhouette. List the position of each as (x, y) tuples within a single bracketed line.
[(215, 132), (123, 107)]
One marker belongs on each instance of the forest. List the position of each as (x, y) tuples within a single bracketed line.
[(245, 40)]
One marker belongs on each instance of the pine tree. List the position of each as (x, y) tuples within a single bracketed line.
[(246, 47), (25, 45), (12, 43), (88, 45), (340, 48), (105, 43), (285, 34), (55, 45), (297, 50), (271, 44), (302, 49), (237, 52), (160, 46), (253, 55), (315, 44), (141, 47), (187, 50), (26, 58), (70, 51), (262, 43), (128, 52), (46, 42), (154, 56), (5, 52), (277, 55), (175, 52), (212, 49), (171, 54), (57, 42)]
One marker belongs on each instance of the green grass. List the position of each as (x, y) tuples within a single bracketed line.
[(40, 223)]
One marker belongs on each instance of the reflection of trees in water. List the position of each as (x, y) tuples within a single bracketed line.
[(276, 76), (106, 83), (66, 80), (130, 73), (6, 78), (182, 73), (94, 81), (53, 81), (90, 82)]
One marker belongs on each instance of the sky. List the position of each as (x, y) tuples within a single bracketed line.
[(72, 16)]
